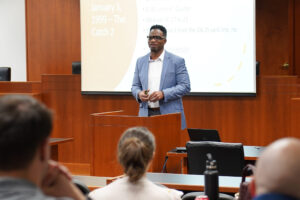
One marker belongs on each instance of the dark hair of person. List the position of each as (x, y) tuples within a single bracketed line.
[(25, 123), (160, 27), (135, 151)]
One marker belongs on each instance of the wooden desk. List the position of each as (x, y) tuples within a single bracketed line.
[(251, 154), (189, 182), (54, 142), (92, 182)]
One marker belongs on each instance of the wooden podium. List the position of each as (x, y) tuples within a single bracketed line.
[(107, 128)]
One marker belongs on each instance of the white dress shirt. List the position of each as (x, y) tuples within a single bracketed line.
[(154, 76)]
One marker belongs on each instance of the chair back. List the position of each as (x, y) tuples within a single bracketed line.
[(76, 67), (5, 73), (229, 157), (197, 134), (257, 67)]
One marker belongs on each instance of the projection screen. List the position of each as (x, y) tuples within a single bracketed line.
[(215, 37)]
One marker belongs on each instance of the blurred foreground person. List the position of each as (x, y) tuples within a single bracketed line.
[(26, 173), (277, 175)]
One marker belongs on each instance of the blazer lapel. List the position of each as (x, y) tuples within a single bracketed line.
[(164, 70), (144, 73)]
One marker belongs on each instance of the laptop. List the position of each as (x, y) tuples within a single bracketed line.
[(200, 135), (203, 134)]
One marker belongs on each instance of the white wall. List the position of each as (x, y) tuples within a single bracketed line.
[(13, 37)]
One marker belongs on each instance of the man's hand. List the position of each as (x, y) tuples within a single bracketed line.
[(143, 95), (156, 96), (57, 182)]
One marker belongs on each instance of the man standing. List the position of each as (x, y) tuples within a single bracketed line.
[(160, 78), (25, 169)]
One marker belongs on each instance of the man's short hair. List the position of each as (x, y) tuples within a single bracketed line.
[(160, 27), (25, 123)]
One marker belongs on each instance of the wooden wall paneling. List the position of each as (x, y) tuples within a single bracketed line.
[(251, 120), (76, 35), (297, 37), (32, 40), (231, 116), (272, 114), (291, 26), (53, 37), (295, 118), (272, 36), (274, 108)]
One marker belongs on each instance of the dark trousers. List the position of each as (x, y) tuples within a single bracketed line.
[(152, 112)]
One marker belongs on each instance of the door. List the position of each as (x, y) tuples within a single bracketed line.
[(274, 28)]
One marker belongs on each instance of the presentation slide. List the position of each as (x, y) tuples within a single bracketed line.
[(215, 37)]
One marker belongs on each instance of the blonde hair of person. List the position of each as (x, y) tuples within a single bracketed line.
[(135, 151)]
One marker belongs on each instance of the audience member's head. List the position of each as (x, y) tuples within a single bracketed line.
[(135, 151), (25, 165), (278, 169), (25, 124)]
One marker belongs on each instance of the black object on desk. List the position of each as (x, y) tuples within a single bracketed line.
[(5, 73), (197, 134)]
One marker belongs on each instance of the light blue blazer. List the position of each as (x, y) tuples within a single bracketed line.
[(174, 83)]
